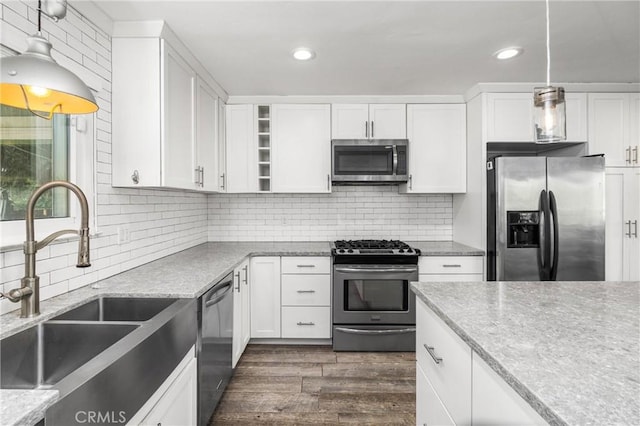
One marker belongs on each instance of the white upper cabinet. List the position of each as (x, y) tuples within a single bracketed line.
[(164, 119), (614, 127), (178, 109), (510, 117), (301, 148), (363, 121), (241, 148), (206, 172), (437, 148)]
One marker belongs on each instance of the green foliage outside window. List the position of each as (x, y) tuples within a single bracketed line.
[(33, 151)]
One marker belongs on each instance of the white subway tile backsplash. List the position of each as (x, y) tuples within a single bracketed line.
[(348, 212)]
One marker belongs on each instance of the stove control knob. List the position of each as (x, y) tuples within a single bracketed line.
[(409, 250), (341, 251), (350, 251), (401, 251)]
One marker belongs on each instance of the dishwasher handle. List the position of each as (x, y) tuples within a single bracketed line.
[(228, 285)]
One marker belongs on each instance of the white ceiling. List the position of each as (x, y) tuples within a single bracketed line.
[(397, 47)]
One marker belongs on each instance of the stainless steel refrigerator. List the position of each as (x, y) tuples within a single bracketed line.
[(545, 219)]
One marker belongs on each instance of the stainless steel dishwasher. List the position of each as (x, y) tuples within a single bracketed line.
[(215, 335)]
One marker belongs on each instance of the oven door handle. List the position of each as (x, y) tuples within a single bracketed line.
[(375, 270), (378, 332)]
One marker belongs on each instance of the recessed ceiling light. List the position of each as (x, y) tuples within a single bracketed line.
[(508, 53), (303, 54)]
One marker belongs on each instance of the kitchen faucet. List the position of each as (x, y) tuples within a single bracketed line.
[(29, 292)]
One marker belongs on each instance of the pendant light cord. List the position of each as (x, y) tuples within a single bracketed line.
[(39, 16), (548, 48)]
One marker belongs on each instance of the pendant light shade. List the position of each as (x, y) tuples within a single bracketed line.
[(549, 107), (34, 81), (550, 113)]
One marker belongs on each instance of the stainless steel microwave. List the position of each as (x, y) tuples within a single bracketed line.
[(369, 161)]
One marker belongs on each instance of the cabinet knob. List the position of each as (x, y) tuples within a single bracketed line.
[(135, 177)]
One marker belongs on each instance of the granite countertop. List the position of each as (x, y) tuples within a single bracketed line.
[(571, 349), (25, 407), (187, 274), (444, 248)]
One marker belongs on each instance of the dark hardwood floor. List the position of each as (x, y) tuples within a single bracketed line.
[(303, 385)]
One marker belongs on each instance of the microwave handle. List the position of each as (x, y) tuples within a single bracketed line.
[(395, 160)]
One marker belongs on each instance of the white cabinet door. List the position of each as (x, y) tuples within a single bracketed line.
[(207, 155), (241, 148), (576, 107), (363, 121), (437, 148), (615, 240), (622, 260), (178, 112), (178, 403), (265, 297), (301, 148), (509, 117), (245, 289), (446, 361), (608, 127), (222, 146), (494, 402), (429, 408), (241, 311), (136, 123), (632, 199), (387, 121), (349, 121)]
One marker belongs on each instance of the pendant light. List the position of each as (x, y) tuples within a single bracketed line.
[(549, 105), (34, 81)]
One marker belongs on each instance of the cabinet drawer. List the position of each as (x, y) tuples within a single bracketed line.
[(451, 375), (450, 264), (429, 408), (306, 290), (306, 265), (450, 277), (306, 322)]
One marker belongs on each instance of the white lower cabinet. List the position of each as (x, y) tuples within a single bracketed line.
[(306, 297), (455, 386), (446, 361), (494, 402), (622, 232), (306, 322), (451, 268), (175, 401), (265, 297), (429, 409), (241, 311)]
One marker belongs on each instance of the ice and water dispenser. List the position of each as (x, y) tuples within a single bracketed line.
[(523, 229)]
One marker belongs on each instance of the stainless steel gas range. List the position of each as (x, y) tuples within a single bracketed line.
[(373, 308)]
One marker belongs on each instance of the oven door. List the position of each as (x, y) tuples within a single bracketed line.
[(374, 294)]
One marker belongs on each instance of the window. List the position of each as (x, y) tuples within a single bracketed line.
[(33, 151)]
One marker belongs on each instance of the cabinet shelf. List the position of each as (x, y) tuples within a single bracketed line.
[(264, 147)]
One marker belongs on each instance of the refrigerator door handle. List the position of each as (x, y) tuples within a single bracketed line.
[(544, 247), (556, 238)]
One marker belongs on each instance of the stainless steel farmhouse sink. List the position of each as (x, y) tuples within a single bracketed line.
[(41, 356), (117, 309), (106, 356)]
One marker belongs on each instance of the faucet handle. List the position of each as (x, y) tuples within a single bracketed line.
[(83, 249)]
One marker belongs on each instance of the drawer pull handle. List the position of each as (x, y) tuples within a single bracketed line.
[(452, 266), (306, 266), (306, 323), (306, 291), (436, 359)]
